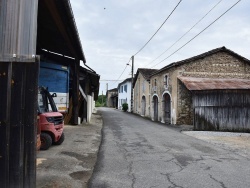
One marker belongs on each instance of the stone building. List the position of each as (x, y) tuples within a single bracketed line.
[(141, 85), (206, 91), (112, 98)]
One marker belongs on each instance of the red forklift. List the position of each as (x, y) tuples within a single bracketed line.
[(51, 121)]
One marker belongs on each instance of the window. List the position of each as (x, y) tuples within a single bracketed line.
[(166, 81), (125, 88), (143, 86), (122, 89)]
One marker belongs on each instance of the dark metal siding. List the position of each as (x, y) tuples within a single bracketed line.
[(18, 93), (224, 110), (18, 24)]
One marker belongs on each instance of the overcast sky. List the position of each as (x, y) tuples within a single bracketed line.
[(111, 31)]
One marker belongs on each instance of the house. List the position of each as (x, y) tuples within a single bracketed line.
[(112, 98), (124, 93), (141, 85), (210, 91)]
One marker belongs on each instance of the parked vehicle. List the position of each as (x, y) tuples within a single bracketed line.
[(56, 78), (51, 121), (38, 138)]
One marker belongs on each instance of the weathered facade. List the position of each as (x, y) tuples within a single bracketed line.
[(174, 102), (141, 87), (112, 98)]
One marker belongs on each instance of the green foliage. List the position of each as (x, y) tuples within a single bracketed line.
[(125, 107), (101, 101)]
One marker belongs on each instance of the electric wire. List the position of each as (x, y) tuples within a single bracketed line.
[(157, 29), (198, 33), (121, 73), (186, 32)]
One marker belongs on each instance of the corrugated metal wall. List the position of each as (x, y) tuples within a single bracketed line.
[(224, 110), (18, 30)]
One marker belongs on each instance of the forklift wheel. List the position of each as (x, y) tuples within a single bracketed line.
[(46, 141), (60, 141)]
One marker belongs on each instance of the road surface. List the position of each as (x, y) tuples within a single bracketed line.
[(138, 153)]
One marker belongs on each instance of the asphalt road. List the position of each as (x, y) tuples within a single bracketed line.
[(137, 153)]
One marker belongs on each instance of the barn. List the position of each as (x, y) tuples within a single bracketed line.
[(210, 91)]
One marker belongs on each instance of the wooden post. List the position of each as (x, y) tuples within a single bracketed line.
[(75, 92)]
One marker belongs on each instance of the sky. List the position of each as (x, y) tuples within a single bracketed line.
[(112, 31)]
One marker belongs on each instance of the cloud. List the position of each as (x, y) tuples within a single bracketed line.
[(112, 35)]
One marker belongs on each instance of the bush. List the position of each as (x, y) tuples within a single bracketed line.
[(97, 104), (125, 107)]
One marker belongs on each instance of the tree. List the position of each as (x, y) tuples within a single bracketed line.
[(101, 101)]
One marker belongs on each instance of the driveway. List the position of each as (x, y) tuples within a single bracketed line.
[(71, 164)]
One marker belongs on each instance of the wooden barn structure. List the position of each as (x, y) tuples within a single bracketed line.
[(29, 31), (220, 104)]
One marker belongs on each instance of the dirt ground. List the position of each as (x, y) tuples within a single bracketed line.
[(236, 142), (71, 164)]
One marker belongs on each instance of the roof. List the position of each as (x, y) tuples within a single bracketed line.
[(114, 89), (57, 31), (126, 80), (201, 56), (92, 77), (195, 84), (145, 73)]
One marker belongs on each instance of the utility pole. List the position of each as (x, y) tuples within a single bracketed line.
[(102, 97), (132, 80)]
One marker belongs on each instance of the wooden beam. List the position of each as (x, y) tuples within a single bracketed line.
[(75, 92)]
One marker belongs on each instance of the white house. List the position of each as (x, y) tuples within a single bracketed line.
[(124, 93)]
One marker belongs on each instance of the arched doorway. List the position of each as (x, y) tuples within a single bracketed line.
[(155, 101), (143, 106), (167, 108)]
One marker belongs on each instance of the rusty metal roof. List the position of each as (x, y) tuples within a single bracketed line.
[(193, 83)]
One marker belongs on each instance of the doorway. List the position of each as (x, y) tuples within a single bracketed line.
[(167, 108), (143, 106), (155, 101)]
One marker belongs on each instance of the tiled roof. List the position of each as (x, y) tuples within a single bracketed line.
[(146, 72), (126, 80)]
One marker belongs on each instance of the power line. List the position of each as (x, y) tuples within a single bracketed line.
[(198, 33), (121, 73), (186, 32), (158, 29)]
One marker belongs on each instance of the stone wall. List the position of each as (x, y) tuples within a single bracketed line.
[(218, 65), (141, 89), (185, 109)]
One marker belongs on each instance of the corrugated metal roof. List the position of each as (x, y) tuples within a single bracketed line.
[(57, 31), (193, 83)]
